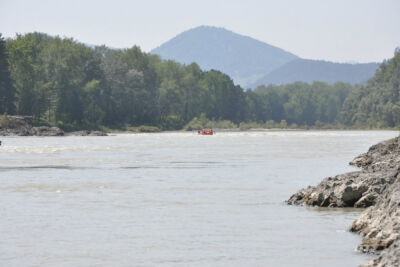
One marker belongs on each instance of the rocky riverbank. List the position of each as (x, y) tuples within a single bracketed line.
[(22, 126), (376, 186)]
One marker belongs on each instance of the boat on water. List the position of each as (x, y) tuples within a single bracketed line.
[(206, 132)]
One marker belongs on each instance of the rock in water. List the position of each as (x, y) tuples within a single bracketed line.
[(21, 126), (356, 189), (380, 224), (377, 186), (382, 156), (388, 257)]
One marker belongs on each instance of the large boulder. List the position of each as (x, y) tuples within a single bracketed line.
[(21, 126), (15, 125)]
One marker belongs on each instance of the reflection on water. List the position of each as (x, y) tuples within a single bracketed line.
[(30, 168), (175, 199)]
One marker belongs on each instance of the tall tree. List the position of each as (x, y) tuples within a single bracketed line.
[(377, 104), (7, 90), (22, 54)]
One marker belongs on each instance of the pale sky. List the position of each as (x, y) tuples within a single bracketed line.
[(335, 30)]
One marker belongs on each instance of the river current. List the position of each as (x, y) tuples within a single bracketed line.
[(176, 199)]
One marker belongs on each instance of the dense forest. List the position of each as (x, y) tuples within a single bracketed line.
[(59, 81), (378, 103)]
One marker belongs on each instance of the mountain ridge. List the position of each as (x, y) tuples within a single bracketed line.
[(217, 48), (309, 70), (251, 62)]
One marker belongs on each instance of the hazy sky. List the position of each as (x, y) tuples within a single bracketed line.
[(336, 30)]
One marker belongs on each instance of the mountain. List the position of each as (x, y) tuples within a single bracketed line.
[(243, 58), (250, 62), (307, 70)]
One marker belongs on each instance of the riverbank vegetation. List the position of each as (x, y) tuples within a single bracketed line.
[(63, 83)]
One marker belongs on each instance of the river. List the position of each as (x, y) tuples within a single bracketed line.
[(176, 199)]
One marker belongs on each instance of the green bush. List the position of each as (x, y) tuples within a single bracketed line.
[(203, 123), (222, 124), (4, 122), (148, 129), (142, 129), (194, 124)]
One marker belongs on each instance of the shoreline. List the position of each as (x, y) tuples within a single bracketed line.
[(376, 187), (16, 125), (46, 131), (22, 126)]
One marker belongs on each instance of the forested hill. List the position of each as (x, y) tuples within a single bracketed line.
[(61, 82), (242, 58), (378, 102), (306, 70), (251, 63)]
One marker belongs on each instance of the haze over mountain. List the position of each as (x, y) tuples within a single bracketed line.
[(307, 70), (250, 62), (243, 58)]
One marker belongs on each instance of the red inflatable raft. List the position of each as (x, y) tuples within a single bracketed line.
[(206, 132)]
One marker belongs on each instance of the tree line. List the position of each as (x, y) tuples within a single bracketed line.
[(59, 81), (377, 104)]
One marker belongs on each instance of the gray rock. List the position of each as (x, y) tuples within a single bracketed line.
[(388, 257), (382, 156), (21, 126), (380, 224), (377, 186), (355, 189)]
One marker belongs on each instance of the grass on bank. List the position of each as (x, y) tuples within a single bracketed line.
[(195, 124), (203, 123)]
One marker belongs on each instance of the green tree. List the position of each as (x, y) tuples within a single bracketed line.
[(7, 90)]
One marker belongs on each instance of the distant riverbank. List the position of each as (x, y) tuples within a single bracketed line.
[(24, 126)]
